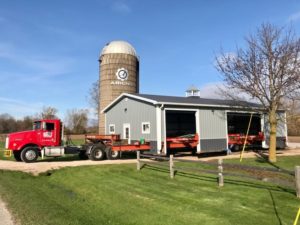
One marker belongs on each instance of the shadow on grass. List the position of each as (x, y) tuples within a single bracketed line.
[(263, 158), (275, 208), (227, 180)]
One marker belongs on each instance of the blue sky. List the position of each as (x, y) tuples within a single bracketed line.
[(49, 49)]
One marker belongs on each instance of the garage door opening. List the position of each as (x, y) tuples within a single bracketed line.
[(179, 123), (237, 124)]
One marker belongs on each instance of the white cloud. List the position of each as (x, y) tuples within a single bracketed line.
[(19, 108), (294, 17), (211, 90), (41, 64), (216, 91), (121, 7)]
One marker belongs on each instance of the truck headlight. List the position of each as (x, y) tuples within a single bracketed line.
[(6, 142)]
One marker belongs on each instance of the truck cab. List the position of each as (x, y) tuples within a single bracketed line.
[(27, 145)]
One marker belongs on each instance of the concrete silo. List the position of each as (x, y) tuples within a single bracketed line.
[(119, 73)]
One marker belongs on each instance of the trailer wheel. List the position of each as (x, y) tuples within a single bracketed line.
[(235, 148), (112, 154), (29, 154), (97, 153)]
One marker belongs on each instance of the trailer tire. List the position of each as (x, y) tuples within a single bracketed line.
[(235, 148), (17, 155), (112, 154), (97, 153), (29, 154)]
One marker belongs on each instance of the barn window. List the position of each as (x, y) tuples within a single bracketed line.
[(146, 128), (111, 128)]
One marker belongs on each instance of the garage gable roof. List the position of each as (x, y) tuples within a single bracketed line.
[(184, 101), (195, 100)]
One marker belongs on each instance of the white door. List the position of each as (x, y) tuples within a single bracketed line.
[(126, 132)]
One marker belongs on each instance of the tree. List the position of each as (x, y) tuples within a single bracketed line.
[(25, 123), (94, 97), (293, 117), (77, 120), (267, 69), (47, 112), (8, 123)]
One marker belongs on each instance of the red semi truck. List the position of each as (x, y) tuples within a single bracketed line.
[(46, 139)]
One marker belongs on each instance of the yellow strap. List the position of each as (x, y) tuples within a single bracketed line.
[(297, 217), (242, 152)]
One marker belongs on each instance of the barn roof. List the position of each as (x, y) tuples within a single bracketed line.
[(186, 101), (195, 100)]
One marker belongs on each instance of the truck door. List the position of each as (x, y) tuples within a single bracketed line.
[(48, 137)]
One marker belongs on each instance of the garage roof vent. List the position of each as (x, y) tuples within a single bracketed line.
[(192, 91)]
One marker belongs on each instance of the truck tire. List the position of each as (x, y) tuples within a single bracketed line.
[(112, 154), (17, 155), (29, 154), (97, 153)]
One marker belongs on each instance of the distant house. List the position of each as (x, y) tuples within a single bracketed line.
[(155, 117)]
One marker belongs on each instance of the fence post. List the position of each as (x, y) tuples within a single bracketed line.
[(138, 162), (171, 166), (220, 175), (297, 180)]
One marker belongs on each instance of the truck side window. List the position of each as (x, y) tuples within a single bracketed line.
[(37, 125), (49, 126)]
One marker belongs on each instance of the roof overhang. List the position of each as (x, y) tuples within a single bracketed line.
[(130, 96), (175, 103)]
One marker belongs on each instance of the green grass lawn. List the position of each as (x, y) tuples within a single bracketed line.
[(118, 194)]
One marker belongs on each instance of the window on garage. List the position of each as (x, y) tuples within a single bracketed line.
[(111, 128), (145, 127)]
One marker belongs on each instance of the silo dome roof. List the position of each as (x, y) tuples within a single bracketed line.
[(118, 47)]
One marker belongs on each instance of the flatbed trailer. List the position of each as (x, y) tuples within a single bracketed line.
[(112, 145), (236, 141)]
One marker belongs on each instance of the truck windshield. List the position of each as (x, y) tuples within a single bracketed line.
[(37, 125)]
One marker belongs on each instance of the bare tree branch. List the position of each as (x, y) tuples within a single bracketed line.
[(267, 69)]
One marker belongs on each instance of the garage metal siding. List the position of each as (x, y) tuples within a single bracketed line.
[(212, 124), (163, 128), (133, 112), (281, 125), (213, 145)]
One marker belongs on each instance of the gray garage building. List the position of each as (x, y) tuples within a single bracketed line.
[(155, 117)]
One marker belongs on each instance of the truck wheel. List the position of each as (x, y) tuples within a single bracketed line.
[(17, 155), (97, 153), (29, 154), (112, 154)]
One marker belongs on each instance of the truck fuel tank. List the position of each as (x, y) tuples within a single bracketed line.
[(53, 151)]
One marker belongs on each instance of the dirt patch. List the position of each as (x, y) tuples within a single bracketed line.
[(6, 218), (42, 167), (294, 139)]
